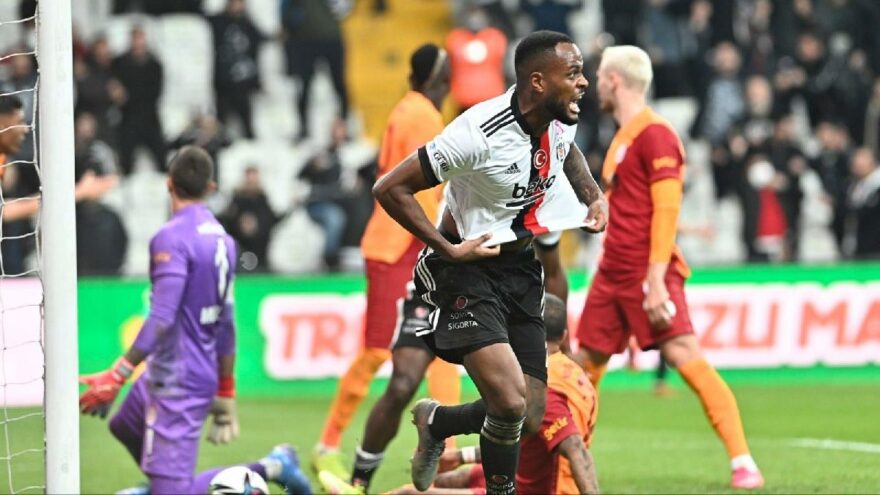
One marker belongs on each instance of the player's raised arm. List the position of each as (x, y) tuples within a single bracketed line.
[(586, 189), (582, 467)]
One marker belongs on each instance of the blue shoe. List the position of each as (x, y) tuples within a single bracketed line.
[(142, 489), (291, 477)]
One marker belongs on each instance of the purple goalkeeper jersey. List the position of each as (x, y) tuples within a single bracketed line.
[(192, 262)]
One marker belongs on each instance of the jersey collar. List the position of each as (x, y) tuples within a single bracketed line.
[(517, 114)]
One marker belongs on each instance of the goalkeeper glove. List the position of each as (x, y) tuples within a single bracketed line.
[(103, 388), (224, 425)]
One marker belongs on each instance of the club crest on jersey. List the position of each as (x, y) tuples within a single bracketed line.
[(540, 159), (560, 151)]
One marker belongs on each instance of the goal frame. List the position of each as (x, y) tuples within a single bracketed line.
[(58, 244)]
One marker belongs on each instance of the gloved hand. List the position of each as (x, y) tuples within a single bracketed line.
[(224, 423), (103, 388)]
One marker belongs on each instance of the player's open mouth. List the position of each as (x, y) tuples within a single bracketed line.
[(573, 106)]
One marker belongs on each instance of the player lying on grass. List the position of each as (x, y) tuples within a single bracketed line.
[(188, 342), (556, 459)]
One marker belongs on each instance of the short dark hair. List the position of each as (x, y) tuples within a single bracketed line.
[(422, 62), (555, 317), (191, 171), (534, 46), (9, 104)]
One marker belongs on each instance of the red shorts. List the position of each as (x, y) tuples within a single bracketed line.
[(386, 284), (613, 311)]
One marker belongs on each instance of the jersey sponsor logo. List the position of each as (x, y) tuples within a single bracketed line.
[(540, 159), (512, 169), (554, 428), (461, 319), (531, 193), (461, 302), (665, 162)]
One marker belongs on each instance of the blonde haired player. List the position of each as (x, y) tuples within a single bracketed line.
[(639, 287)]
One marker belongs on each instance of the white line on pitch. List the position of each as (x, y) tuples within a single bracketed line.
[(829, 444)]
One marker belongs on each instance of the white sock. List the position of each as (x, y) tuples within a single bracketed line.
[(743, 461)]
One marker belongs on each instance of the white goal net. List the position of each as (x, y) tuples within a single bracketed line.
[(38, 423)]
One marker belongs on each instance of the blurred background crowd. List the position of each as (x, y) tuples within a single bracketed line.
[(778, 103)]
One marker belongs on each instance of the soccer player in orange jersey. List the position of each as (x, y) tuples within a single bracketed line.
[(390, 252), (556, 459), (639, 287)]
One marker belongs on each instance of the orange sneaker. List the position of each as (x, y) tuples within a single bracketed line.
[(746, 479)]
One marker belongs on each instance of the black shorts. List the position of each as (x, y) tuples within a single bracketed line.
[(485, 302), (412, 318)]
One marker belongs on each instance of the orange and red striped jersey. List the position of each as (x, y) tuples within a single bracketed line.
[(412, 123), (645, 150), (572, 407)]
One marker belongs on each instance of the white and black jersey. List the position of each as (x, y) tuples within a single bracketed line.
[(501, 180)]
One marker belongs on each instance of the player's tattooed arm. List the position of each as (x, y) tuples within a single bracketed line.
[(586, 189), (536, 404), (578, 172), (582, 468)]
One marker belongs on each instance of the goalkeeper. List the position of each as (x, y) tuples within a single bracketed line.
[(188, 342)]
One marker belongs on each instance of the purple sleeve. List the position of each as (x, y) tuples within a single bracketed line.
[(164, 302), (168, 269), (226, 331)]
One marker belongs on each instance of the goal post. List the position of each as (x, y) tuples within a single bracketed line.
[(58, 244)]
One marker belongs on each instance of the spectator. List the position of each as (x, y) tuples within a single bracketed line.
[(100, 236), (206, 132), (312, 33), (250, 219), (96, 88), (723, 105), (862, 238), (872, 120), (325, 202), (140, 75), (476, 54), (551, 15), (14, 130), (23, 78), (622, 20), (666, 21), (236, 72), (832, 165)]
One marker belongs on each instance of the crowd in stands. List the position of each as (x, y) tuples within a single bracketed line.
[(782, 88)]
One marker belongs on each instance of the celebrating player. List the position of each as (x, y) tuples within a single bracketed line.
[(513, 173), (188, 341), (390, 252), (639, 287), (411, 357)]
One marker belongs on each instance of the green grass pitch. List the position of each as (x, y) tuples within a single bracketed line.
[(642, 444)]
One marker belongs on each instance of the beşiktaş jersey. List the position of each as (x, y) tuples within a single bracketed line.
[(501, 180)]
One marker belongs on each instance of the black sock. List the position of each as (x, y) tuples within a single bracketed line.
[(464, 419), (365, 465), (499, 448)]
